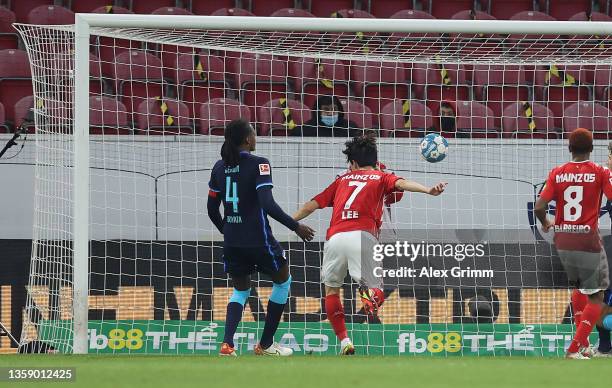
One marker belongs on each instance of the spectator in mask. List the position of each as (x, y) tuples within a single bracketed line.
[(447, 116), (327, 120)]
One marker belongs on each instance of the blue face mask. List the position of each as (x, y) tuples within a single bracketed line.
[(329, 121)]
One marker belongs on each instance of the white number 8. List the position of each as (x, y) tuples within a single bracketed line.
[(572, 209)]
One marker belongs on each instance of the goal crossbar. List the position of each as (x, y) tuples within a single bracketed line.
[(345, 24)]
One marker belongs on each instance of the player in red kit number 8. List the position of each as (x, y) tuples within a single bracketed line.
[(577, 188), (357, 197)]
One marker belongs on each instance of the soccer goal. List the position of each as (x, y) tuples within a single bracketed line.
[(130, 111)]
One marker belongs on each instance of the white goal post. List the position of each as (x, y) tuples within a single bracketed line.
[(306, 36)]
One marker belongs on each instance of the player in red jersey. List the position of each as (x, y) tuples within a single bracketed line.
[(357, 198), (577, 188)]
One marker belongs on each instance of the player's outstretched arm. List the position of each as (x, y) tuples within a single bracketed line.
[(269, 205), (406, 185), (540, 208), (307, 209)]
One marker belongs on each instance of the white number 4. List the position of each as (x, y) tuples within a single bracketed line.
[(360, 186)]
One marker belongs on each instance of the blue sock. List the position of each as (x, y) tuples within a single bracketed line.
[(276, 305), (234, 314), (604, 340)]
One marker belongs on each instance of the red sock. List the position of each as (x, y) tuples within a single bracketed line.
[(579, 302), (335, 314), (590, 316), (379, 296)]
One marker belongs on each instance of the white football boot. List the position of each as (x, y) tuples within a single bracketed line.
[(274, 350)]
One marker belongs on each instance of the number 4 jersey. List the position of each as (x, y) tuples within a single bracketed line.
[(577, 188), (357, 198), (245, 222)]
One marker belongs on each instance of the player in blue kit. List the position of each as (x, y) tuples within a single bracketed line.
[(243, 183), (604, 326)]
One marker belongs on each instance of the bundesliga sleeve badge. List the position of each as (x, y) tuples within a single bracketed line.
[(264, 169)]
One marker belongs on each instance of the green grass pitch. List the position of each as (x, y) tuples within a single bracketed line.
[(317, 371)]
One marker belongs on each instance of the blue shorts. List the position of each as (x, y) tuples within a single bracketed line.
[(243, 261)]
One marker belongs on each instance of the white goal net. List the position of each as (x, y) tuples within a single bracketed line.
[(503, 95)]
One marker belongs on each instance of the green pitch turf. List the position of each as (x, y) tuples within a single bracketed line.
[(317, 371)]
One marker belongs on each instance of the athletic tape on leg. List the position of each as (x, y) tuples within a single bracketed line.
[(240, 296), (607, 322), (280, 292)]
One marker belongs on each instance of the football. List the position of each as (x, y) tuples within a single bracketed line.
[(433, 148)]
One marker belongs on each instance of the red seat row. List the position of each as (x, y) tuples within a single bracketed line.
[(561, 9), (136, 75), (400, 118)]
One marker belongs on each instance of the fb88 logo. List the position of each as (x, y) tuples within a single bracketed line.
[(434, 343), (117, 339)]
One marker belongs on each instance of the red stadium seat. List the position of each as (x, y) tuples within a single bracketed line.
[(358, 113), (324, 8), (63, 62), (379, 83), (469, 14), (486, 45), (108, 48), (419, 42), (352, 13), (589, 115), (138, 77), (51, 14), (232, 12), (444, 9), (435, 83), (529, 45), (570, 86), (163, 116), (21, 108), (267, 7), (52, 107), (532, 16), (259, 78), (602, 82), (500, 86), (171, 11), (107, 116), (199, 77), (85, 6), (384, 9), (593, 46), (275, 122), (518, 117), (312, 78), (23, 7), (565, 9), (148, 6), (475, 120), (114, 9), (502, 9), (169, 54), (593, 16), (15, 79), (4, 127), (405, 118), (291, 13), (210, 7), (8, 37), (216, 113)]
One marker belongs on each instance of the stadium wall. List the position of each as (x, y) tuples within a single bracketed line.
[(156, 188)]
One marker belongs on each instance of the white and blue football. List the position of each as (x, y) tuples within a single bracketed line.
[(433, 148)]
